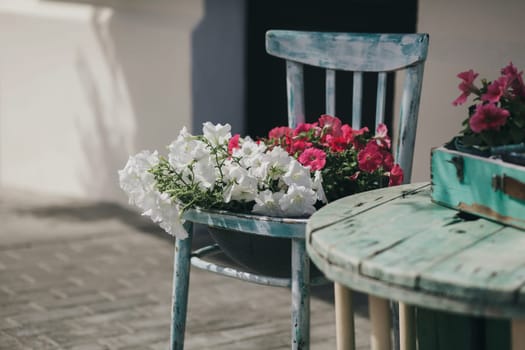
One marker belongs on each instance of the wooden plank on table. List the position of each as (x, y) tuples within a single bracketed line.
[(491, 270), (348, 242), (356, 281), (350, 206), (428, 247)]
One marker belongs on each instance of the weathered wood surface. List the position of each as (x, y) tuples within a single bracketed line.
[(470, 183), (349, 51), (409, 249), (255, 224)]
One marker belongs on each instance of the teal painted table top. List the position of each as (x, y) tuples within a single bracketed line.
[(396, 244)]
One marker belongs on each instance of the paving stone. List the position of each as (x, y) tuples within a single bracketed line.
[(79, 275)]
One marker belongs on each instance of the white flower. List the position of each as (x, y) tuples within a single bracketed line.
[(250, 152), (205, 173), (241, 187), (169, 215), (216, 134), (135, 179), (267, 203), (185, 149), (279, 162), (297, 174), (298, 201), (259, 168), (317, 186)]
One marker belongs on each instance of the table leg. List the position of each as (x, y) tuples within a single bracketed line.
[(344, 318), (518, 334), (181, 279), (381, 323), (300, 296), (407, 334)]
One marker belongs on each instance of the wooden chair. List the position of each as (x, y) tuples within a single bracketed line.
[(358, 53)]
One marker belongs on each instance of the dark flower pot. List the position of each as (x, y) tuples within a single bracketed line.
[(269, 256), (513, 153)]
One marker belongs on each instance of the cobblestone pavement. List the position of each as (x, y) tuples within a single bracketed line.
[(79, 275)]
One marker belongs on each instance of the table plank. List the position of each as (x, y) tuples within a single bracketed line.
[(347, 207), (348, 242), (356, 281), (428, 247), (492, 269)]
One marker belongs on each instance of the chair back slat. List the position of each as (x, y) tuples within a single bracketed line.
[(330, 91), (357, 99), (295, 91), (357, 53), (408, 119), (348, 51), (381, 98)]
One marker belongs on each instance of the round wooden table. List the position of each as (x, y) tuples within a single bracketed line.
[(395, 244)]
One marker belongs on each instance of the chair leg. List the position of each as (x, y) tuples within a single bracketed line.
[(381, 323), (300, 296), (518, 334), (179, 298), (344, 318)]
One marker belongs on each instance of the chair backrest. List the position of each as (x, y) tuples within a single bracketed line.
[(358, 53)]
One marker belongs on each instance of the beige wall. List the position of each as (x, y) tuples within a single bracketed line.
[(483, 35), (82, 86)]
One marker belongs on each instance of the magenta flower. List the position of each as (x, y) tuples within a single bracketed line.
[(305, 128), (515, 80), (280, 131), (233, 143), (488, 117), (330, 125), (381, 136), (396, 176), (496, 90), (315, 158), (370, 158), (466, 86)]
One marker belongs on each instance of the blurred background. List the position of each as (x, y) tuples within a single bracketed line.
[(85, 83)]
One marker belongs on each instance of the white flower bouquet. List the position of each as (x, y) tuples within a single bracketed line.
[(214, 170)]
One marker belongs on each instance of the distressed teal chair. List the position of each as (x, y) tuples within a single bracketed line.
[(358, 53)]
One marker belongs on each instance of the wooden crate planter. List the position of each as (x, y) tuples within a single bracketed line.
[(482, 186)]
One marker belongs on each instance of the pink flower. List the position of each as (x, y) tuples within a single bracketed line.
[(466, 86), (350, 134), (382, 136), (370, 158), (388, 160), (233, 143), (496, 89), (298, 146), (336, 144), (488, 117), (330, 125), (515, 79), (280, 131), (304, 128), (396, 176), (314, 158)]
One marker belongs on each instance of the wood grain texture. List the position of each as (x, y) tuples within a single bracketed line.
[(254, 224), (349, 51), (474, 191), (181, 279), (412, 250)]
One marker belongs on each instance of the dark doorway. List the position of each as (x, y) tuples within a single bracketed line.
[(265, 74)]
